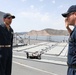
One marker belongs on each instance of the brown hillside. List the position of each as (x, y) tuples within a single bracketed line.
[(36, 33), (56, 32), (47, 32)]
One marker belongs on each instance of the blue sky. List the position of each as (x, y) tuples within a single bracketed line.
[(36, 14)]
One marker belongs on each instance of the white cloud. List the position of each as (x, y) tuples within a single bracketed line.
[(28, 20), (45, 18), (41, 0), (36, 16), (32, 6), (23, 0), (61, 6), (53, 1)]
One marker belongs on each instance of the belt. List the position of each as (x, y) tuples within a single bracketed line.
[(5, 45)]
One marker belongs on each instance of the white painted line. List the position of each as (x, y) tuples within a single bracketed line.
[(44, 60), (55, 62), (34, 68), (53, 56), (19, 56)]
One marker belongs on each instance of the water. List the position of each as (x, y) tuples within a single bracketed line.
[(50, 38), (45, 38)]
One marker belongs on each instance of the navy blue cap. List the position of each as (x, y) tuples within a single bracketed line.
[(71, 9), (7, 15)]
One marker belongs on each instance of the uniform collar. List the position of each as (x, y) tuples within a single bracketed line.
[(3, 25)]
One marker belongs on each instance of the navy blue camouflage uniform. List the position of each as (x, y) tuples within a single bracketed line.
[(72, 53), (6, 38)]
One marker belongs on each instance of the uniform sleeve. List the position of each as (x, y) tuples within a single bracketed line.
[(74, 36), (0, 34), (12, 33)]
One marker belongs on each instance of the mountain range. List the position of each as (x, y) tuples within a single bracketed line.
[(48, 32)]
